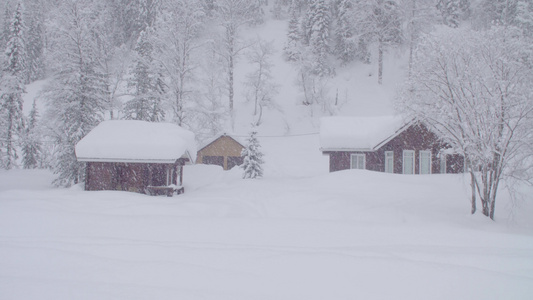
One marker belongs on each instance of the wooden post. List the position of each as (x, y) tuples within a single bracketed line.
[(181, 175)]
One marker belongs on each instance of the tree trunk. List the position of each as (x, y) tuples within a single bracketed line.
[(380, 62), (473, 185)]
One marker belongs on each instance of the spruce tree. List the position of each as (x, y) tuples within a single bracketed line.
[(291, 48), (12, 87), (77, 93), (319, 37), (345, 46), (35, 47), (147, 84), (31, 144), (450, 11), (253, 158)]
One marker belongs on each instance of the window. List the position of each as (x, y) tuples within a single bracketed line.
[(170, 175), (443, 163), (408, 161), (389, 162), (425, 162), (357, 161)]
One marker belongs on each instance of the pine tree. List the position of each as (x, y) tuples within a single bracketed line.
[(387, 29), (524, 16), (31, 145), (253, 158), (35, 46), (77, 94), (319, 37), (452, 11), (291, 48), (147, 84), (12, 87), (345, 46)]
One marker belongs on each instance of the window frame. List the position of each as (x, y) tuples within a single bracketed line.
[(443, 164), (357, 155), (420, 161), (413, 161), (389, 165)]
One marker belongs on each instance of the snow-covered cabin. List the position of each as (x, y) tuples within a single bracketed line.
[(137, 156), (223, 150), (385, 144)]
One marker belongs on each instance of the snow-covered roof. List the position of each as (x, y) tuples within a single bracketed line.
[(136, 141), (359, 133)]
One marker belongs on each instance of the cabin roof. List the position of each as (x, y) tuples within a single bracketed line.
[(359, 133), (217, 137), (137, 141)]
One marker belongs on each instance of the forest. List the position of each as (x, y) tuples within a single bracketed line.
[(175, 61)]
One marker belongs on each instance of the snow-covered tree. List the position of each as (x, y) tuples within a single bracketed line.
[(418, 17), (6, 24), (12, 87), (257, 13), (146, 82), (232, 15), (253, 158), (388, 32), (524, 16), (210, 113), (176, 45), (131, 17), (35, 42), (474, 89), (453, 11), (31, 142), (259, 83), (500, 12), (449, 10), (292, 46), (345, 41), (319, 37), (76, 94)]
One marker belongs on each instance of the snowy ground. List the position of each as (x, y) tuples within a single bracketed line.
[(298, 233)]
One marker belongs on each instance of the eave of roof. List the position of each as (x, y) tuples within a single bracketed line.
[(376, 147), (211, 141), (186, 157)]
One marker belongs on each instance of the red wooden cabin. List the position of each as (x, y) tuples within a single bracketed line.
[(136, 156)]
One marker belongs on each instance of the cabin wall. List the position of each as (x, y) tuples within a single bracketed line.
[(417, 138), (224, 152), (132, 177)]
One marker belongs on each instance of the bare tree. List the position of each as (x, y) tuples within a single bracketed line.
[(260, 86), (232, 15), (474, 89), (176, 42)]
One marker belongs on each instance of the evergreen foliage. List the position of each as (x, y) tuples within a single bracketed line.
[(253, 158), (77, 93), (147, 84), (292, 47), (31, 144), (319, 37), (11, 89), (345, 42), (35, 44)]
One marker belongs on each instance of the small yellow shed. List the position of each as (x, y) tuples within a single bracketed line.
[(224, 151)]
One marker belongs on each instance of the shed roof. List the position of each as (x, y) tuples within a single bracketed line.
[(136, 141), (359, 133), (217, 137)]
